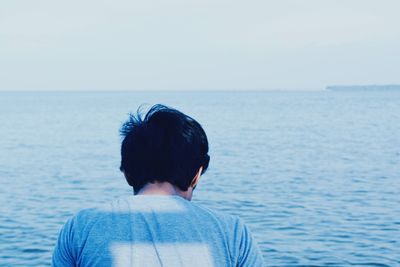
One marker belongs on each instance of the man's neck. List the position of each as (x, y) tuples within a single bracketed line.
[(163, 188)]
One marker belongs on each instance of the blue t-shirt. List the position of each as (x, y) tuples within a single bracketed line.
[(153, 230)]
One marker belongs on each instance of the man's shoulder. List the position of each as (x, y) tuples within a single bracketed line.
[(106, 213), (224, 218), (87, 214), (84, 219)]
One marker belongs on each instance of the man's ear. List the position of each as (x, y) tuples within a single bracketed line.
[(196, 178)]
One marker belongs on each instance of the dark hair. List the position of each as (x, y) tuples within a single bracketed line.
[(165, 146)]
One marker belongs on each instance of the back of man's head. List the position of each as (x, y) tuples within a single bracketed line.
[(164, 146)]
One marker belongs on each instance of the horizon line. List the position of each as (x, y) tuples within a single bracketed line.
[(157, 90)]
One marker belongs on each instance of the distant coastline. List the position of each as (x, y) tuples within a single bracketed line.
[(388, 87)]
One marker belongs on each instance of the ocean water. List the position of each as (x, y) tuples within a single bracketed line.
[(316, 175)]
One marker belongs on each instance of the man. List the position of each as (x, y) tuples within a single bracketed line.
[(163, 157)]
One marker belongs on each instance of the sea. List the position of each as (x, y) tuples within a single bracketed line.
[(314, 174)]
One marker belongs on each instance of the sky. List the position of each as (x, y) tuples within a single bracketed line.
[(197, 44)]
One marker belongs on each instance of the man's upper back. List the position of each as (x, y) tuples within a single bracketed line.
[(155, 231)]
